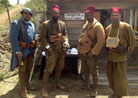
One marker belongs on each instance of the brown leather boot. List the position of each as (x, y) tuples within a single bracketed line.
[(60, 86), (22, 81), (88, 87), (86, 81), (94, 92), (111, 96), (24, 93), (44, 93), (95, 87), (30, 87), (114, 96), (57, 76)]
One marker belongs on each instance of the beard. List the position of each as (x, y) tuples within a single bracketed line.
[(55, 18), (115, 22), (27, 18), (90, 20)]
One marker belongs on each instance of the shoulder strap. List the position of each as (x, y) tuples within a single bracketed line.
[(120, 33), (22, 30), (50, 26), (61, 28), (89, 34)]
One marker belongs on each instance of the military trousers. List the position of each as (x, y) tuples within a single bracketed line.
[(89, 65), (54, 60), (117, 77), (25, 70)]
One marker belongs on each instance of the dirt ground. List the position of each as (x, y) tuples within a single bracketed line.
[(9, 88)]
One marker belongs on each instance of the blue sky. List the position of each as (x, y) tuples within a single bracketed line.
[(15, 1)]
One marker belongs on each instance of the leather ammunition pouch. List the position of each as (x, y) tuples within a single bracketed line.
[(119, 49), (53, 39), (84, 48), (24, 45), (86, 43)]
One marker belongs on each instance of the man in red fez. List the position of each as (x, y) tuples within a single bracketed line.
[(90, 44), (120, 41), (54, 40)]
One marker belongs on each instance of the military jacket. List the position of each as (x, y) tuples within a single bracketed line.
[(14, 37), (57, 29), (94, 36)]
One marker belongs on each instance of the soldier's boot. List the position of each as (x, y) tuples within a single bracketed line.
[(28, 85), (24, 92), (58, 84), (86, 81), (44, 92), (94, 92), (95, 87), (22, 80), (114, 96), (111, 96)]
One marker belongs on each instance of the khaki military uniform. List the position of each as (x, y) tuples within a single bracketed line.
[(54, 59), (116, 68), (91, 40)]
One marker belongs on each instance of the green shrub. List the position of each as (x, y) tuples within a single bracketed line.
[(37, 5)]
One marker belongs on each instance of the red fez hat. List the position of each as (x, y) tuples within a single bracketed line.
[(90, 9), (55, 8), (115, 10)]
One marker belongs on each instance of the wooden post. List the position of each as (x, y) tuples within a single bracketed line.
[(131, 17), (136, 21), (8, 15), (44, 14)]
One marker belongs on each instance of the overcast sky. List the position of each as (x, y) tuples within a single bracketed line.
[(15, 1)]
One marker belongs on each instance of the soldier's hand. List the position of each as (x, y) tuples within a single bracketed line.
[(19, 55), (90, 54), (79, 41), (66, 44), (49, 49)]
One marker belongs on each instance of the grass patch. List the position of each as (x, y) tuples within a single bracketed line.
[(36, 77), (36, 5), (8, 74), (2, 29), (2, 76), (3, 8), (17, 16), (1, 59)]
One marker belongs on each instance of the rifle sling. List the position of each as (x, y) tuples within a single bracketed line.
[(89, 34), (22, 31)]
